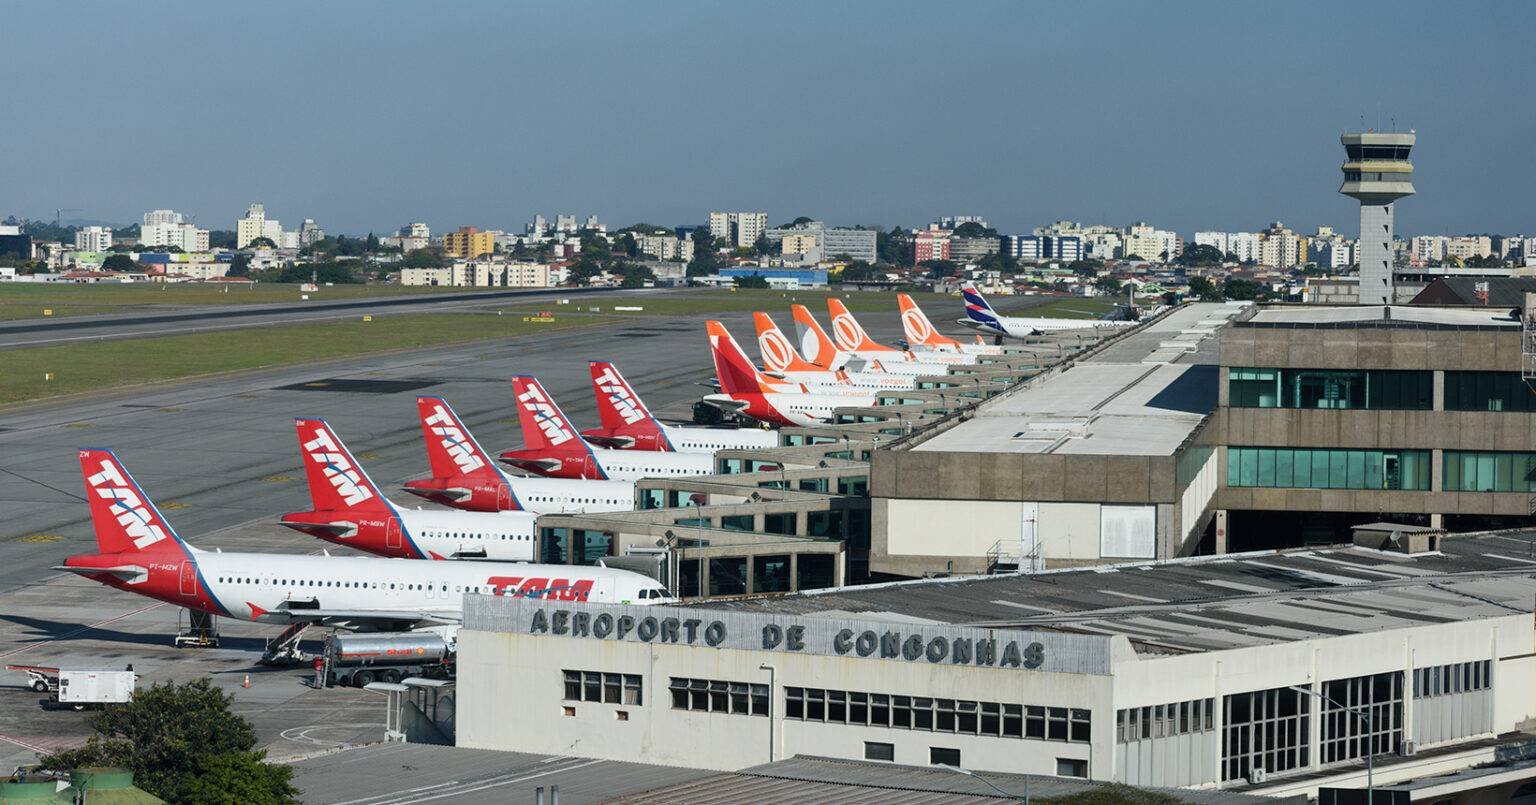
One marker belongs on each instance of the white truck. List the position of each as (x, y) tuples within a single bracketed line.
[(80, 688)]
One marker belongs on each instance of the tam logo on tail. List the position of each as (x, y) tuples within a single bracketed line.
[(453, 439), (619, 394), (136, 519), (545, 414), (337, 467)]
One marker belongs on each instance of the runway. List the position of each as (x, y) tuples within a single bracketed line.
[(209, 318)]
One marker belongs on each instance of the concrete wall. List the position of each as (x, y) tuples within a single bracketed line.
[(511, 687), (1371, 348)]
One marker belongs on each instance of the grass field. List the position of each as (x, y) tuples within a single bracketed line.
[(110, 364), (26, 300)]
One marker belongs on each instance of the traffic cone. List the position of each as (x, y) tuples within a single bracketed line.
[(247, 682)]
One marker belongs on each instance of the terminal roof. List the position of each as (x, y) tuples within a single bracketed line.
[(1214, 603), (1143, 394), (1394, 316)]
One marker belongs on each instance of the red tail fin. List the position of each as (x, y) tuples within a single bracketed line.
[(736, 373), (336, 481), (778, 353), (451, 450), (124, 518), (545, 426), (850, 334), (618, 406), (814, 343), (918, 329)]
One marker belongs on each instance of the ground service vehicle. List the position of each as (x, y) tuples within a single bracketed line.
[(355, 660)]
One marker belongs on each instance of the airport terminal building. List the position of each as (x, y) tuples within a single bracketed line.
[(1251, 672)]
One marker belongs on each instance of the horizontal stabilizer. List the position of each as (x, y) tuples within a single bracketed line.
[(124, 572)]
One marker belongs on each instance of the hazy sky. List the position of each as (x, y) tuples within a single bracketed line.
[(365, 115)]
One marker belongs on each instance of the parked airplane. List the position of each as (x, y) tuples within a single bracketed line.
[(138, 551), (980, 316), (819, 350), (852, 338), (745, 390), (629, 425), (350, 510), (553, 448), (782, 361), (921, 334), (464, 477)]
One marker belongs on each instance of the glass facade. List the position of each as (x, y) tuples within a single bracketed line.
[(1467, 471), (1265, 729), (1488, 391), (814, 571), (1379, 389), (1347, 732), (1303, 468), (996, 719), (728, 575)]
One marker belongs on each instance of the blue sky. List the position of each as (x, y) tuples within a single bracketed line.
[(365, 116)]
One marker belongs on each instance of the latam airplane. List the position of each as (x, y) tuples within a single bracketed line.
[(980, 316), (629, 425), (921, 334), (745, 390), (139, 552), (781, 360), (553, 448), (350, 510), (464, 477), (819, 350), (851, 338)]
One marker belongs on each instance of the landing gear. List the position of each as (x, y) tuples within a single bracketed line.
[(199, 630)]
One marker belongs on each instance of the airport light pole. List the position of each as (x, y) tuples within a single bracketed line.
[(993, 786), (1364, 713)]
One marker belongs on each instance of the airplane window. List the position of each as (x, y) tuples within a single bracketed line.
[(391, 586)]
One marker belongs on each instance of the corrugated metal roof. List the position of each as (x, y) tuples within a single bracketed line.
[(1215, 602)]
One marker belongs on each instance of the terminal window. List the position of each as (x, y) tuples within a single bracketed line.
[(1303, 468), (1346, 732), (1371, 389), (1448, 680), (1264, 729), (1468, 471), (602, 687), (719, 696), (1488, 391), (961, 716)]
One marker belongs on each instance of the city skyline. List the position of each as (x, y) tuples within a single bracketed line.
[(1200, 116)]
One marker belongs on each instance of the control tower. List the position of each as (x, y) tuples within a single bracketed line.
[(1376, 173)]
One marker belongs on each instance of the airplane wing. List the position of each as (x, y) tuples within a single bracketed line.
[(358, 620), (726, 404), (339, 529), (124, 572)]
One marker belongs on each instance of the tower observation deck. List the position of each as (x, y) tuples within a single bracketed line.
[(1376, 173)]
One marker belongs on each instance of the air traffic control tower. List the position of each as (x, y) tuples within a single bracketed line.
[(1377, 173)]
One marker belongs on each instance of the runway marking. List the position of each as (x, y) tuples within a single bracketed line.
[(277, 479), (80, 425), (67, 635), (175, 506), (456, 788), (36, 538)]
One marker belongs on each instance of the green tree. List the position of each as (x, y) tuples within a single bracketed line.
[(1199, 254), (430, 257), (1203, 289), (971, 229), (891, 247), (704, 261), (941, 269), (183, 743), (240, 266), (860, 271), (594, 245), (1085, 268), (762, 246), (370, 244), (627, 245), (119, 262), (261, 243), (1241, 289), (1107, 285), (752, 281), (635, 275), (221, 239)]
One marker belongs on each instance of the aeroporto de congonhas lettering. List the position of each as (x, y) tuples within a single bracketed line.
[(883, 644)]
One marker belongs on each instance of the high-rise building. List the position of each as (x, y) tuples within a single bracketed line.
[(592, 223), (93, 239), (1466, 248), (739, 228), (154, 217), (1281, 248), (310, 232), (1148, 243), (186, 237), (1376, 173), (469, 242), (1066, 248), (255, 224), (1024, 248), (930, 244), (666, 247), (565, 223), (538, 226)]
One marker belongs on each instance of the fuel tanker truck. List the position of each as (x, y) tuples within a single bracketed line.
[(356, 660)]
